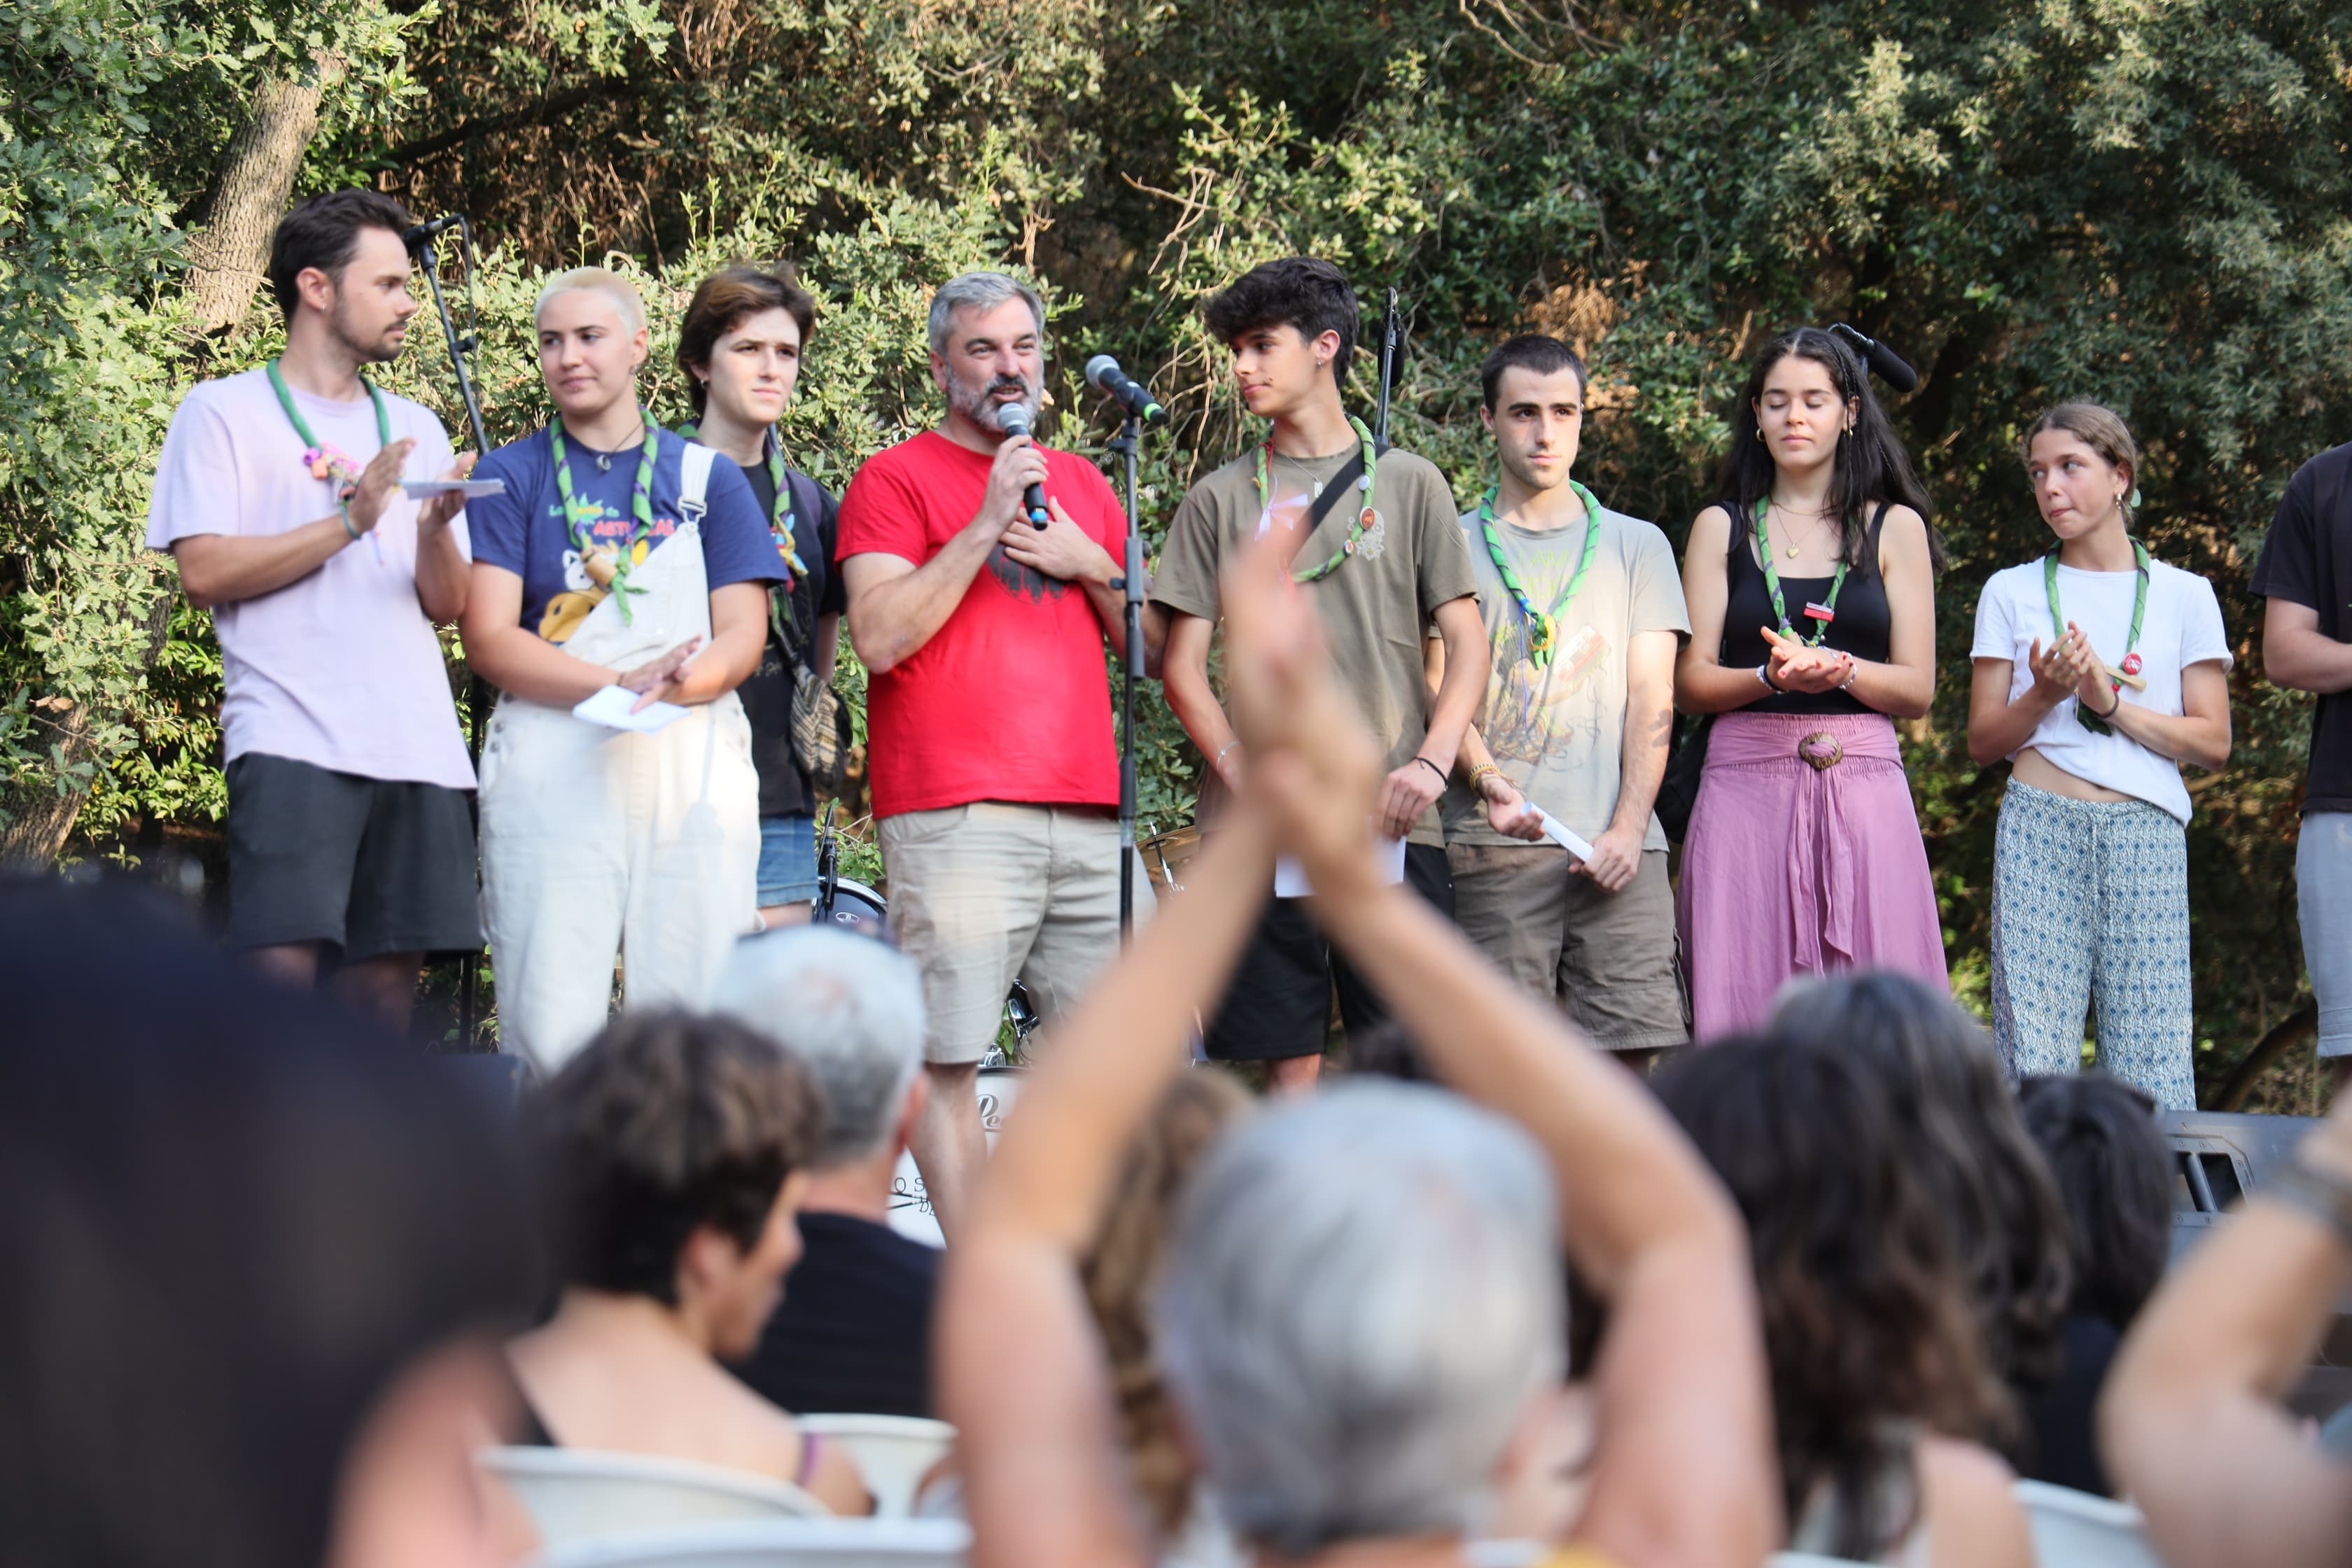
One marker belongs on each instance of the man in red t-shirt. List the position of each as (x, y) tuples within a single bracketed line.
[(989, 749)]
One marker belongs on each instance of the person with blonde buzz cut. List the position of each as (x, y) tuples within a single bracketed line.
[(619, 556)]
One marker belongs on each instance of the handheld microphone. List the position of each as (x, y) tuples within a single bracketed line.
[(1014, 420), (1878, 356), (1104, 376), (419, 234)]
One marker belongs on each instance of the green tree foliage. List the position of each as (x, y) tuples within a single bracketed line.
[(2149, 204)]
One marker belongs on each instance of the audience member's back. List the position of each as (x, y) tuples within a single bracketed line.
[(855, 1330), (1878, 1371), (1958, 1122), (673, 1145), (2115, 1175), (257, 1261)]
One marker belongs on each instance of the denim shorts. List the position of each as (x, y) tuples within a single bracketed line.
[(787, 861)]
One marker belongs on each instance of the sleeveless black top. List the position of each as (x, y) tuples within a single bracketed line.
[(1863, 627)]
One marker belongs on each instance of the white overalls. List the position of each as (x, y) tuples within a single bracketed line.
[(598, 840)]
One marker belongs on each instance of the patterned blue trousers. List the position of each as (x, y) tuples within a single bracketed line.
[(2090, 901)]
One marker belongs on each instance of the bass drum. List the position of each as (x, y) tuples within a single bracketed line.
[(910, 1205)]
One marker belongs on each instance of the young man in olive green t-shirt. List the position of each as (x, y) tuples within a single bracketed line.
[(1584, 614), (1387, 567)]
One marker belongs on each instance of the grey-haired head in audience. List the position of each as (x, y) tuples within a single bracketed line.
[(1363, 1295), (851, 1010)]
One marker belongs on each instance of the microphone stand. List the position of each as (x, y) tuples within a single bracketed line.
[(1132, 584), (459, 347)]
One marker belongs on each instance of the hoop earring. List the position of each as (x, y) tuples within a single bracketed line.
[(1759, 432)]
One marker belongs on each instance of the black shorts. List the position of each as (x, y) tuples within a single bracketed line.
[(1279, 1004), (368, 866)]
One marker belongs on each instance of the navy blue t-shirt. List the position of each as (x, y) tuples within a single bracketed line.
[(524, 529)]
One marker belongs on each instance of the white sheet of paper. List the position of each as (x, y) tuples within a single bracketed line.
[(1290, 877), (420, 490), (610, 708), (1560, 833)]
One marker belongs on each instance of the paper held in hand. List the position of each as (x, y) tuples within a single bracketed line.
[(1561, 834), (610, 707), (1290, 877), (424, 490)]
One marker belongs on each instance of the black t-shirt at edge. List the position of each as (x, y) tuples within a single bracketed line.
[(2307, 560)]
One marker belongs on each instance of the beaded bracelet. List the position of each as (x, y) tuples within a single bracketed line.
[(1480, 772)]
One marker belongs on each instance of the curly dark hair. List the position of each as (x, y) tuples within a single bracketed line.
[(1871, 465), (2006, 1225), (1296, 291), (1121, 1268), (2115, 1176), (1864, 1314), (667, 1122)]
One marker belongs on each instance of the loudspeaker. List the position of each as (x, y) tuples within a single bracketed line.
[(2218, 1159)]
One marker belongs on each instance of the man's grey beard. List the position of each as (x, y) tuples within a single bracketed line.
[(977, 404)]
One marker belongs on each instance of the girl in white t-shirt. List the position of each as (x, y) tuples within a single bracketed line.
[(2099, 672)]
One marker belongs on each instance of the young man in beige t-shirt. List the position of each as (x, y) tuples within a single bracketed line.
[(1386, 566)]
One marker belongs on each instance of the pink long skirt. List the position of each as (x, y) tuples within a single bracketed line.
[(1803, 858)]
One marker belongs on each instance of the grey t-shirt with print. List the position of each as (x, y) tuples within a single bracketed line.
[(1558, 730)]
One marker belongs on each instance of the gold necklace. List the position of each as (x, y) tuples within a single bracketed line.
[(1796, 545)]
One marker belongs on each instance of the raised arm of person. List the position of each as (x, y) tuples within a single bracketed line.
[(2193, 1424), (896, 606), (1685, 1471), (1045, 1481)]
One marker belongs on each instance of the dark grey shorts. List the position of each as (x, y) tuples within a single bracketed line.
[(368, 866)]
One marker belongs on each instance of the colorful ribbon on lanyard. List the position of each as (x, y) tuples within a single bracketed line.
[(1826, 612), (641, 502), (338, 469), (1363, 513), (1543, 626), (2130, 666)]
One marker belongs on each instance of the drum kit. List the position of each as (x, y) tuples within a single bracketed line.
[(851, 905)]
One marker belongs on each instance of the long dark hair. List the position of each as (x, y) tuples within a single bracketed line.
[(1864, 1312), (1871, 465), (1966, 1140)]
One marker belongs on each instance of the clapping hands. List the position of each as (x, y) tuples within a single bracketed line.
[(1798, 666)]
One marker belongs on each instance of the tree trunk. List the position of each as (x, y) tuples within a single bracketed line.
[(39, 822), (229, 258)]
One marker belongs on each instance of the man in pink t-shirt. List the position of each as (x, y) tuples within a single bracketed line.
[(989, 751), (350, 830)]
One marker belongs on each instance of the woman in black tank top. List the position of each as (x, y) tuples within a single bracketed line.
[(1810, 584)]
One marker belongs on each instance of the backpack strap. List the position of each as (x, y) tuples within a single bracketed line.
[(694, 481)]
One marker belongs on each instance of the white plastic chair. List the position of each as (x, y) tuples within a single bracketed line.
[(579, 1495), (2076, 1530), (893, 1452), (782, 1543)]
